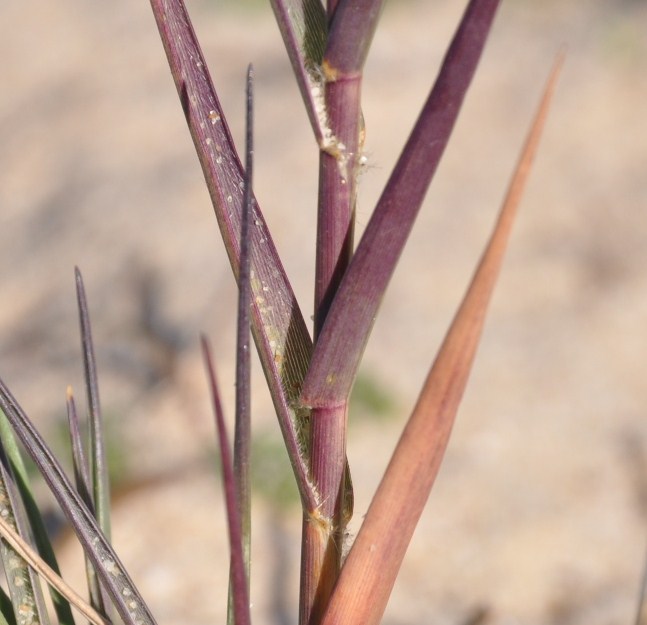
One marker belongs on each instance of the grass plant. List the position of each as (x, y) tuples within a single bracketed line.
[(309, 377)]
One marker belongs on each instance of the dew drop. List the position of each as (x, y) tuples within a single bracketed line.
[(111, 567)]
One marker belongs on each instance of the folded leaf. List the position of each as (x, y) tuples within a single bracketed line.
[(242, 430), (82, 482), (278, 327)]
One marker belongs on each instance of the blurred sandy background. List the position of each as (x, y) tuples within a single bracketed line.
[(539, 513)]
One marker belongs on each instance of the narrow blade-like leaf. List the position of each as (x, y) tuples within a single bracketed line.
[(242, 431), (239, 586), (98, 464), (81, 475), (350, 319), (373, 562), (82, 482), (278, 327), (125, 596), (303, 27)]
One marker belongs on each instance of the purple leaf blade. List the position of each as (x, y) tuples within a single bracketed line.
[(351, 316), (281, 335), (98, 463), (238, 576), (372, 565)]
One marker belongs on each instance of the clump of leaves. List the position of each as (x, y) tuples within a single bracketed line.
[(309, 379)]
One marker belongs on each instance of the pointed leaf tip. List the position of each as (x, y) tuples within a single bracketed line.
[(98, 461)]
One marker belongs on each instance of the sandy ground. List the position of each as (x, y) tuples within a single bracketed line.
[(539, 513)]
